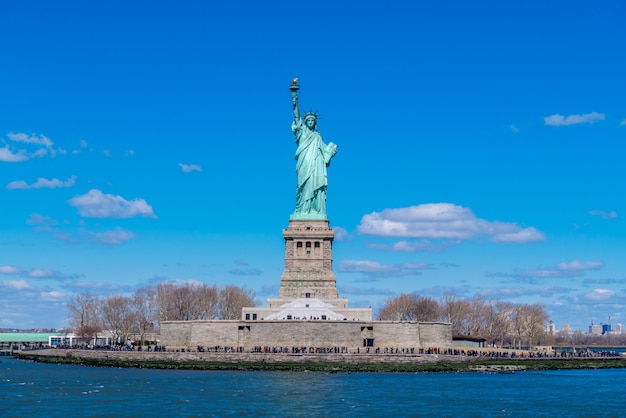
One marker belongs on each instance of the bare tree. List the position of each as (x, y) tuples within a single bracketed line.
[(232, 299), (457, 312), (528, 322), (479, 314), (478, 317), (539, 316), (205, 302), (426, 309), (119, 317), (83, 315), (144, 303), (410, 307), (172, 304), (502, 325), (397, 308), (186, 301)]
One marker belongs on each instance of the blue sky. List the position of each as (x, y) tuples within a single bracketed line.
[(481, 149)]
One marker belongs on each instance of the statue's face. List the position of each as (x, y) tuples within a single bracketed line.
[(310, 123)]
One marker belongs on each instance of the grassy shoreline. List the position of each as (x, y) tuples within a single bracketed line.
[(385, 365)]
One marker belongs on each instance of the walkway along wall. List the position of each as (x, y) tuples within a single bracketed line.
[(349, 334)]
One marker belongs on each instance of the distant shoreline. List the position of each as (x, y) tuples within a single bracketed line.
[(314, 362)]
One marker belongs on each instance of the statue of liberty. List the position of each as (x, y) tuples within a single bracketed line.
[(313, 157)]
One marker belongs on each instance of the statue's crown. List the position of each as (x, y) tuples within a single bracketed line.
[(311, 114)]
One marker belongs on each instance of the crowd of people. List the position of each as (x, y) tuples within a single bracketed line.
[(447, 351)]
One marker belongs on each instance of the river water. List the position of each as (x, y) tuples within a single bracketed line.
[(29, 389)]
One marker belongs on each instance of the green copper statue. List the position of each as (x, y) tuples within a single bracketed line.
[(313, 157)]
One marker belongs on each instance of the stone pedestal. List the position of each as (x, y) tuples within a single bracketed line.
[(308, 261)]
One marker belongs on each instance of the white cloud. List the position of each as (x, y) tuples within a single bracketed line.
[(33, 139), (515, 292), (38, 219), (416, 266), (95, 204), (364, 266), (35, 147), (188, 168), (37, 273), (598, 295), (82, 144), (560, 120), (577, 265), (98, 288), (588, 282), (48, 224), (52, 296), (376, 269), (253, 271), (595, 306), (514, 128), (114, 237), (603, 214), (359, 291), (9, 270), (192, 282), (40, 274), (19, 300), (549, 273), (410, 246), (16, 284), (8, 156), (341, 234), (623, 123), (513, 234), (42, 183), (443, 221), (575, 268)]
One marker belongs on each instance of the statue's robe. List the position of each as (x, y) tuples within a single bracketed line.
[(313, 157)]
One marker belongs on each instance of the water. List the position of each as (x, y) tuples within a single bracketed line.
[(28, 388)]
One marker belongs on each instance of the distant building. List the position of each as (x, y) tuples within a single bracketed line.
[(566, 329), (551, 328), (619, 328), (27, 339), (595, 329)]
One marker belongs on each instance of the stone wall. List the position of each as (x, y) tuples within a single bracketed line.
[(397, 334), (349, 334), (436, 334), (269, 358)]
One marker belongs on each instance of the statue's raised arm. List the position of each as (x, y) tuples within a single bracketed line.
[(294, 97), (313, 157)]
